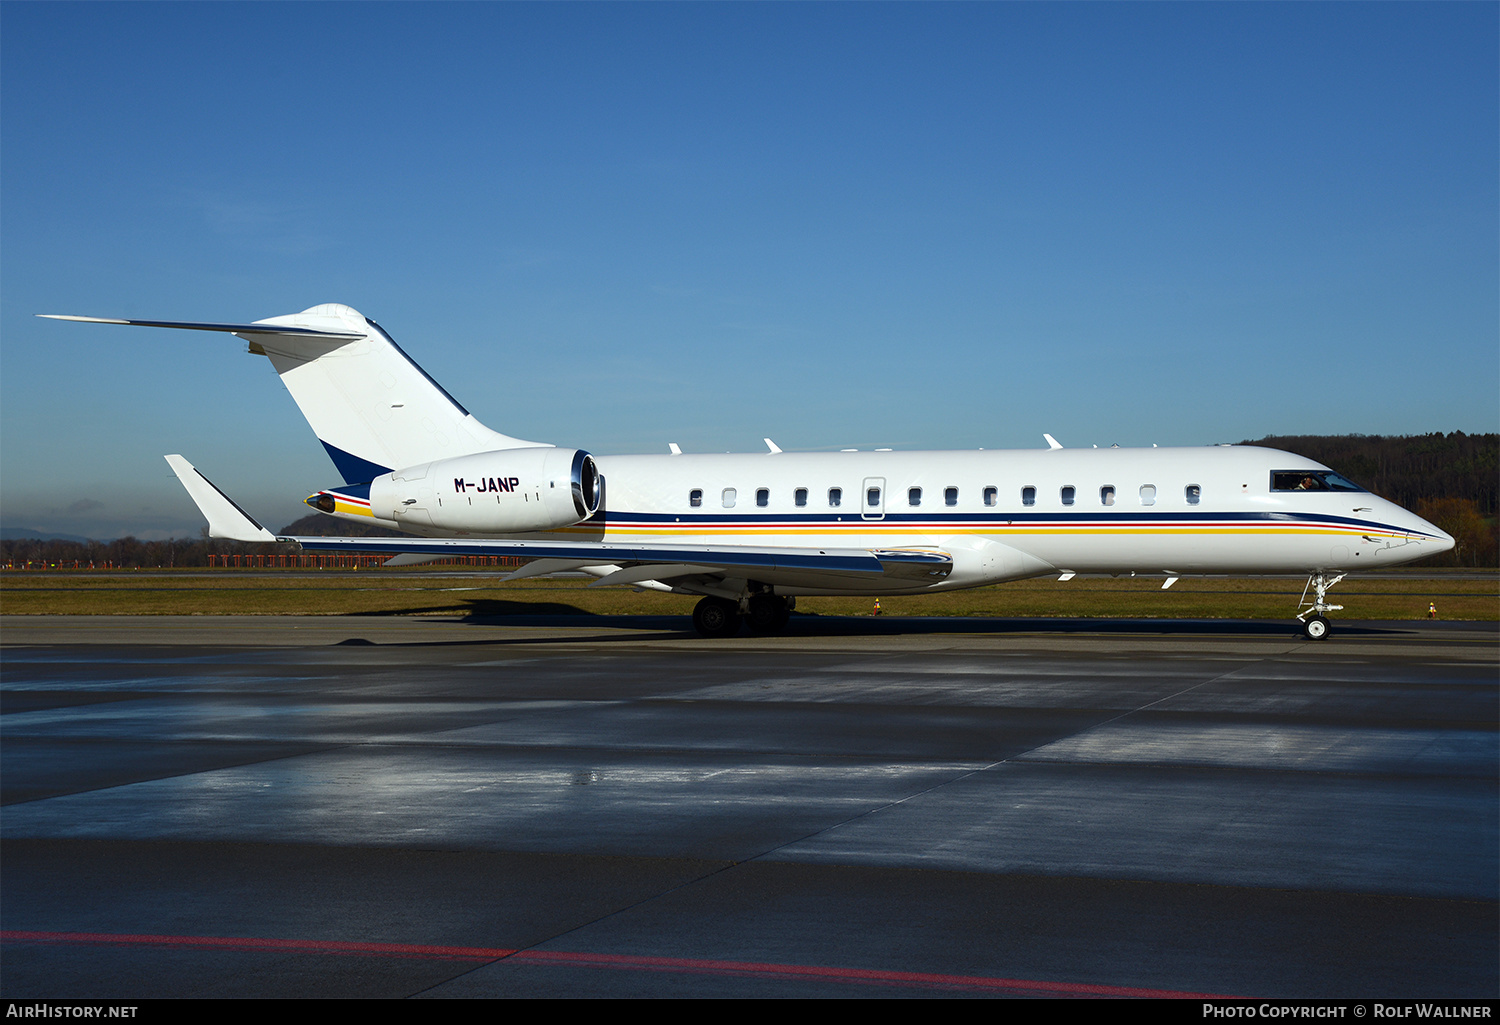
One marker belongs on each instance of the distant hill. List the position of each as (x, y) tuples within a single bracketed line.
[(319, 525), (24, 534)]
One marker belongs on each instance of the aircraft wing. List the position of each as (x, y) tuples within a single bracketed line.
[(665, 560), (636, 562)]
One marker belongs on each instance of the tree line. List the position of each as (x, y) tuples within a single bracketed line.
[(1451, 480), (1411, 469)]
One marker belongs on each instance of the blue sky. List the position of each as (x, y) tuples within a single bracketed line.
[(839, 225)]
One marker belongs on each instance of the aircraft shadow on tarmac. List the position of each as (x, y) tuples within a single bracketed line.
[(490, 612), (812, 625)]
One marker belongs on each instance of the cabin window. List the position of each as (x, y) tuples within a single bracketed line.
[(695, 497), (762, 497), (729, 498), (1311, 480), (800, 497), (991, 496), (872, 498), (835, 496), (1194, 494), (950, 496), (913, 496), (1107, 495), (1069, 493), (1148, 494), (1028, 495)]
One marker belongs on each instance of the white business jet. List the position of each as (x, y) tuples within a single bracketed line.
[(750, 533)]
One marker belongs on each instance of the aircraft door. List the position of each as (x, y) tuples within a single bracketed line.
[(872, 499)]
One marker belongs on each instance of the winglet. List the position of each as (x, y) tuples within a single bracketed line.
[(775, 448), (1052, 442), (225, 519)]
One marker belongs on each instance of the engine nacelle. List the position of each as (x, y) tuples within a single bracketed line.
[(504, 492)]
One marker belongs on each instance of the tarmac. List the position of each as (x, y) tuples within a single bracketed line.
[(613, 806)]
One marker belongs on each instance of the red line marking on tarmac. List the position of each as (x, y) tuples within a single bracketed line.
[(706, 966)]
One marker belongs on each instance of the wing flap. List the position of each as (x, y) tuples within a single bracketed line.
[(655, 571)]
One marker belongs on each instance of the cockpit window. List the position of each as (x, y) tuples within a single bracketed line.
[(1311, 480)]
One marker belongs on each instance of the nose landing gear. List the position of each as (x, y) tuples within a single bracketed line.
[(1314, 623)]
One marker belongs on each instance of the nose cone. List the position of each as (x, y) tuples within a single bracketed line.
[(1444, 542), (1400, 536), (1435, 540)]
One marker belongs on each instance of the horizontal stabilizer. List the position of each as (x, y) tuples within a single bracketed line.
[(372, 407), (192, 325), (225, 519)]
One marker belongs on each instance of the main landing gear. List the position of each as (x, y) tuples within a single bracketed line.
[(1314, 623), (768, 614), (717, 617), (720, 617)]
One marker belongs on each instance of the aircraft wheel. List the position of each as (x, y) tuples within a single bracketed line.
[(1316, 628), (768, 614), (715, 617)]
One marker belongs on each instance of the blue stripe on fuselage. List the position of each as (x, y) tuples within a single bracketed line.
[(996, 520)]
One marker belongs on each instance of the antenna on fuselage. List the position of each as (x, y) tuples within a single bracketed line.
[(1052, 442)]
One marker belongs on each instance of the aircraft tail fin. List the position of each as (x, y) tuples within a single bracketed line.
[(373, 408)]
